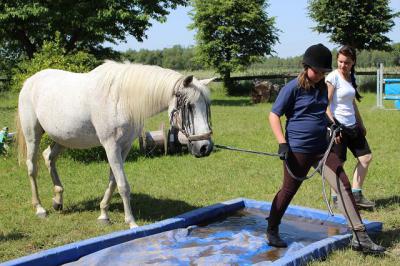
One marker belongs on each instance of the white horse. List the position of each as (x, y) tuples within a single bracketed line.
[(107, 107)]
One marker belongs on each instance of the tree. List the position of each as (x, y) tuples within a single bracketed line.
[(396, 54), (51, 55), (232, 34), (84, 25), (359, 23), (176, 57)]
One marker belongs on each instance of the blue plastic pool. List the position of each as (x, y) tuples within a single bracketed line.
[(231, 232)]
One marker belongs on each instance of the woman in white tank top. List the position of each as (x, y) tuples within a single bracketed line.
[(342, 93)]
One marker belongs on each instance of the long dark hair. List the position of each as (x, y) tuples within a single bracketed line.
[(305, 83), (349, 51)]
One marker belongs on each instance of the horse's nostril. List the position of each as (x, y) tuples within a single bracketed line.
[(203, 149)]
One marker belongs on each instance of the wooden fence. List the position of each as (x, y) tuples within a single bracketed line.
[(293, 75)]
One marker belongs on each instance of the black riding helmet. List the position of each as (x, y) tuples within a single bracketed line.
[(318, 57)]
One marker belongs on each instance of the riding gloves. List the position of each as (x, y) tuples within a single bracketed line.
[(283, 151)]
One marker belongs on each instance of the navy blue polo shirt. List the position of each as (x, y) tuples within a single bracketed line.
[(306, 121)]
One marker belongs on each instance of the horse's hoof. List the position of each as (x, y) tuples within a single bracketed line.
[(57, 206), (133, 225), (104, 221), (41, 215)]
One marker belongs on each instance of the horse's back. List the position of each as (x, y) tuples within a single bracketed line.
[(57, 91), (61, 101)]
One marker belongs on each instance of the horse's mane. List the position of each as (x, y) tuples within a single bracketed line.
[(142, 90)]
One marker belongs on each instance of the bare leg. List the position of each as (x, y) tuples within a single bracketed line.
[(116, 158), (361, 170), (50, 156)]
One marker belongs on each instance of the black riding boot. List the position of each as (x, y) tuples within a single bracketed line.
[(274, 239), (362, 242)]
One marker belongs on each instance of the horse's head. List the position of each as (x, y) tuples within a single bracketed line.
[(189, 112)]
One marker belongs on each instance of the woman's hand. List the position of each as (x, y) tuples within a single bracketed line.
[(337, 130), (283, 151), (338, 138)]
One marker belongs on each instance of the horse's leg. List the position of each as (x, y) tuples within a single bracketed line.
[(105, 203), (32, 148), (116, 156), (50, 156)]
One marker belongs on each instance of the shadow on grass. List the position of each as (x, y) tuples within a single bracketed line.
[(158, 153), (230, 102), (389, 238), (11, 236), (99, 155), (144, 207), (386, 202)]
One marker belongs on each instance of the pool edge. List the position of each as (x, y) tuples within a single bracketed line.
[(74, 251)]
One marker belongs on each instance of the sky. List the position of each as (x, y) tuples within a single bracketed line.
[(290, 17)]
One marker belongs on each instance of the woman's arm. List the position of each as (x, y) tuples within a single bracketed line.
[(331, 90), (330, 97), (276, 126)]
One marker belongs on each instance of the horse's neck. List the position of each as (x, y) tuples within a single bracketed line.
[(142, 98)]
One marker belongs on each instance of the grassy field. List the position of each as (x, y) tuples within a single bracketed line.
[(165, 186)]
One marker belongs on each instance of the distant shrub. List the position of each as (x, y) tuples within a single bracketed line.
[(89, 155), (52, 55)]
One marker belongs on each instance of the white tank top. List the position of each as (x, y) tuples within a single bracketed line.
[(342, 101)]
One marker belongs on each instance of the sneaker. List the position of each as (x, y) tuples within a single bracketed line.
[(362, 201)]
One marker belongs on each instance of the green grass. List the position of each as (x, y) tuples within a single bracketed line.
[(165, 186)]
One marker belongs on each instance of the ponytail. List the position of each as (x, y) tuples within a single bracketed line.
[(354, 83), (349, 51)]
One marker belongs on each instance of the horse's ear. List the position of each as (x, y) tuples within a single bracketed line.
[(187, 80), (205, 82)]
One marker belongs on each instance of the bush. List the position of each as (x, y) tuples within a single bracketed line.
[(52, 55)]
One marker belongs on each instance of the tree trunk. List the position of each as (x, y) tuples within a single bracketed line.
[(228, 83)]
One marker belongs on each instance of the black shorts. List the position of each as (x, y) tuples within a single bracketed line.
[(356, 143)]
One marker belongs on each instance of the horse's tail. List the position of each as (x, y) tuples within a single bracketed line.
[(20, 140)]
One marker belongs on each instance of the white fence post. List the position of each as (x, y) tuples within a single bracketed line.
[(379, 86), (378, 97), (382, 81)]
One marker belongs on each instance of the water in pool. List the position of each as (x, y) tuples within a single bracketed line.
[(238, 239)]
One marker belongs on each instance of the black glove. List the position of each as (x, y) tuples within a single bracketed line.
[(283, 151), (335, 127)]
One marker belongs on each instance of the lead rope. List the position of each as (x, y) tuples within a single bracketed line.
[(334, 132), (319, 168)]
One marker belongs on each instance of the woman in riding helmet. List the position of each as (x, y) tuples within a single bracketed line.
[(304, 101)]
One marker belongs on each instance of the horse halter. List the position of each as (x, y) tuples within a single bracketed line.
[(182, 118)]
